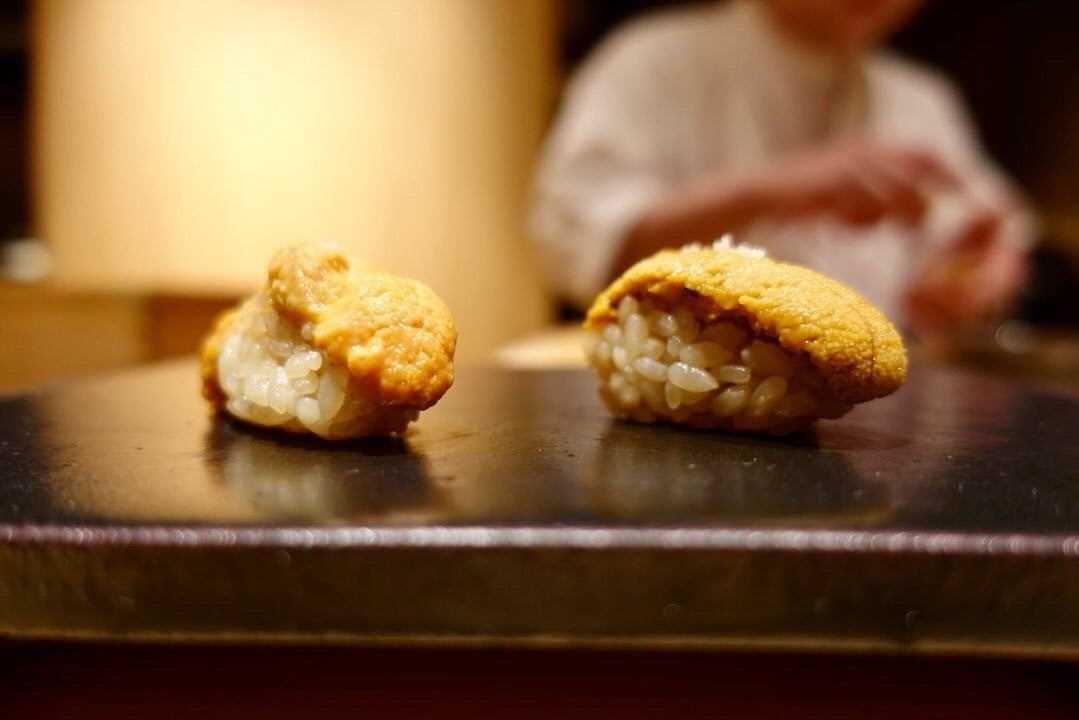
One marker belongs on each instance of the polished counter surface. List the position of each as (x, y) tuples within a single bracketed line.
[(943, 518)]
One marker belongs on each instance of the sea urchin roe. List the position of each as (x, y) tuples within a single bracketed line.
[(331, 349), (716, 373)]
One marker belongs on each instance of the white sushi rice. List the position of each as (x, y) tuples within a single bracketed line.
[(271, 374), (663, 364)]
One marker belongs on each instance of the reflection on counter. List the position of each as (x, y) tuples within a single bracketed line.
[(284, 478), (666, 474)]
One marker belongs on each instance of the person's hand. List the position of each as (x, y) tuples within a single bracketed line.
[(970, 280), (858, 181)]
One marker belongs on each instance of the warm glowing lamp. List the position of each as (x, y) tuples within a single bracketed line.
[(178, 142)]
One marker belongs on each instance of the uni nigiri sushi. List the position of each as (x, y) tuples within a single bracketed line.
[(330, 346), (725, 337)]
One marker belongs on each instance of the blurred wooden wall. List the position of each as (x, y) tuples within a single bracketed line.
[(179, 142)]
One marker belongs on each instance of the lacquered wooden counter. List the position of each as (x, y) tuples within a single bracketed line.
[(943, 518)]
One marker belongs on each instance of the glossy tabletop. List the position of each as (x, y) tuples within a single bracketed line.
[(945, 517)]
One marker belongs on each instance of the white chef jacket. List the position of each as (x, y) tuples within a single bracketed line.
[(674, 96)]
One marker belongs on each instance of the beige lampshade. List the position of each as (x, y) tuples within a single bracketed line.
[(179, 142)]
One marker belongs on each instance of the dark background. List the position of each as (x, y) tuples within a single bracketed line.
[(1017, 66), (14, 114), (1015, 63)]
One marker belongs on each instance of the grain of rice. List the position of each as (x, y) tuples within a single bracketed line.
[(767, 395), (675, 346), (331, 396), (663, 324), (636, 329), (691, 378), (307, 411), (730, 400), (650, 369), (673, 395), (621, 359), (306, 384), (706, 354), (281, 398), (767, 359), (736, 374), (654, 348)]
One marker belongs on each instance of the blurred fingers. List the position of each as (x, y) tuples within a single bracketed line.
[(962, 288), (919, 166), (979, 232), (857, 199), (903, 198)]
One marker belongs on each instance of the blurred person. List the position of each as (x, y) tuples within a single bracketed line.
[(779, 121)]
